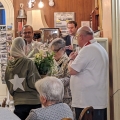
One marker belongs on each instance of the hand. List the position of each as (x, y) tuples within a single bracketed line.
[(70, 47), (36, 45), (73, 55)]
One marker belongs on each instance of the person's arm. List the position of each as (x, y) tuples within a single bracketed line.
[(32, 75), (72, 56), (71, 70), (65, 80), (32, 116), (32, 53)]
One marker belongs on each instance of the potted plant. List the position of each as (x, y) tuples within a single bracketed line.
[(44, 62)]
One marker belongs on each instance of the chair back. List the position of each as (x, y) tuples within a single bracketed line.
[(86, 114)]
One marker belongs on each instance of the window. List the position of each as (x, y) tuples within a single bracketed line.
[(2, 15)]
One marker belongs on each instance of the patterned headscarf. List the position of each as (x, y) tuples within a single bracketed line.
[(18, 47)]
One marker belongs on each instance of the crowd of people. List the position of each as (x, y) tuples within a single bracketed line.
[(80, 79)]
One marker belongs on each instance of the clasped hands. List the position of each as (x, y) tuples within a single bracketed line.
[(73, 55), (69, 47)]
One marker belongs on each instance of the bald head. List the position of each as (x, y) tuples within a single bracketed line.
[(85, 34), (85, 30)]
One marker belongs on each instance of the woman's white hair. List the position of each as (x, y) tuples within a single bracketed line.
[(18, 47), (51, 88)]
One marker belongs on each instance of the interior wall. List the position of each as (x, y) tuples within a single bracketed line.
[(9, 21), (11, 1), (116, 56), (107, 32), (82, 9)]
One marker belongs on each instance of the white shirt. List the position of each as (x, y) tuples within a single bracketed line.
[(74, 43), (30, 47), (89, 86), (33, 45), (71, 38)]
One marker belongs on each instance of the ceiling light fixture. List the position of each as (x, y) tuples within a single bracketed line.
[(40, 4), (31, 3)]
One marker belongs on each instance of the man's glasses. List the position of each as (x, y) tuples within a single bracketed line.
[(86, 32), (25, 33), (76, 36)]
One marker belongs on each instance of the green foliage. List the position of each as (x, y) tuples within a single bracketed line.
[(44, 62)]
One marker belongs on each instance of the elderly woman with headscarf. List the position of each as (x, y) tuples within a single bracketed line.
[(20, 76)]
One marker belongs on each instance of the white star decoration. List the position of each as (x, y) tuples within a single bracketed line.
[(17, 82)]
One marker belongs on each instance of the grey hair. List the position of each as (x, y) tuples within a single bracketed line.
[(51, 88), (85, 31), (58, 43), (26, 26)]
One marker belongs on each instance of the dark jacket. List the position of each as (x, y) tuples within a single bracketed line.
[(68, 42)]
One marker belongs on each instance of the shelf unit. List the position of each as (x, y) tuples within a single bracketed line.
[(6, 37)]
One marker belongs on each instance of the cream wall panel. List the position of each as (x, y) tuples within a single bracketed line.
[(107, 32), (3, 91), (11, 1), (116, 56), (8, 5)]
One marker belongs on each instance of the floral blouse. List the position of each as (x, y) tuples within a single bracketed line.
[(62, 73)]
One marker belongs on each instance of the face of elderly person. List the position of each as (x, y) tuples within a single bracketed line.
[(84, 35), (58, 47), (51, 90), (27, 33)]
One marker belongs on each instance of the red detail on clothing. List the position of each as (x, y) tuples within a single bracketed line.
[(87, 43)]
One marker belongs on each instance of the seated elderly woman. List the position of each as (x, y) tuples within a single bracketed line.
[(61, 61), (51, 92)]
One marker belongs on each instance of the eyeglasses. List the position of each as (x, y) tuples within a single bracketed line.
[(25, 33), (57, 49), (76, 36), (86, 33)]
